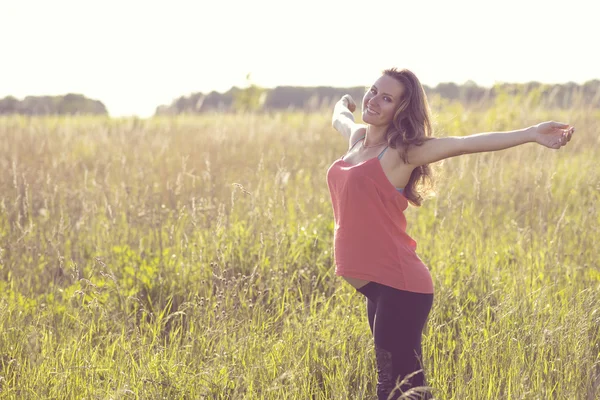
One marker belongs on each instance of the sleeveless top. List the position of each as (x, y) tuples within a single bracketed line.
[(370, 240)]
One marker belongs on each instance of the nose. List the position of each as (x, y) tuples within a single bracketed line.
[(373, 100)]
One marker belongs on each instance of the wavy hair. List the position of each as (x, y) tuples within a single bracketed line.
[(411, 126)]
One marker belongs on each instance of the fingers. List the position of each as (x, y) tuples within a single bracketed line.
[(563, 139), (567, 131), (347, 99), (568, 134), (349, 102)]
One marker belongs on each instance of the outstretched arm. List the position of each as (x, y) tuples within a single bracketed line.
[(342, 119), (550, 134)]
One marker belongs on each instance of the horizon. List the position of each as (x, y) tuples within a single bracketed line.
[(155, 53), (433, 87)]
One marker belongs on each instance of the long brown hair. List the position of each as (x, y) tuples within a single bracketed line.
[(411, 126)]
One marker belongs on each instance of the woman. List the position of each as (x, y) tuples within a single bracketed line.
[(370, 188)]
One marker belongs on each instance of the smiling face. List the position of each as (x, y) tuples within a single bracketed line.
[(381, 101)]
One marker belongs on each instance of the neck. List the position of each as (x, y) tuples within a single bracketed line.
[(375, 135)]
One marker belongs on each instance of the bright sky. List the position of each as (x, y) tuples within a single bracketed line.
[(134, 55)]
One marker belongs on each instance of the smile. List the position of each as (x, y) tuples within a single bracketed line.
[(371, 111)]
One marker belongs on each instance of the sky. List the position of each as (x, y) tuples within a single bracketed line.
[(135, 55)]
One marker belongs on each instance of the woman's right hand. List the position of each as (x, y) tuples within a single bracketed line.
[(348, 102), (343, 119)]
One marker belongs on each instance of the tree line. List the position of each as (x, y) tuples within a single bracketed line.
[(255, 98), (69, 104)]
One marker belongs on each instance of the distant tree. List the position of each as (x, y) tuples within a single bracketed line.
[(9, 105), (471, 93), (52, 105), (448, 90), (250, 98)]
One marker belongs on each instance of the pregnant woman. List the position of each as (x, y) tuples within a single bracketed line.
[(371, 185)]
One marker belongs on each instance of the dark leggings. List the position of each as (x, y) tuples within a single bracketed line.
[(397, 318)]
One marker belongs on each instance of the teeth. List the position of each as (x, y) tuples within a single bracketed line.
[(369, 109)]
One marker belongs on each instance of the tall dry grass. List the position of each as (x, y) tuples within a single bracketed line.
[(190, 258)]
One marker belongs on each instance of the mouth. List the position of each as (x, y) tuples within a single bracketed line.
[(371, 111)]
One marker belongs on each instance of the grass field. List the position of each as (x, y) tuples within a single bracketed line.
[(190, 258)]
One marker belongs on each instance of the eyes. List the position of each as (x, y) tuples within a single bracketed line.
[(385, 98)]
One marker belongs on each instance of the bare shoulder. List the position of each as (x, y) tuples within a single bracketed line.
[(357, 132)]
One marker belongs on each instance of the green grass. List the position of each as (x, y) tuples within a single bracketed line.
[(190, 258)]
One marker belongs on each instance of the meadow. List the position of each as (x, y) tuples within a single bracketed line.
[(191, 258)]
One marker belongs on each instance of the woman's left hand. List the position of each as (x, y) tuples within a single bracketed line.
[(552, 134)]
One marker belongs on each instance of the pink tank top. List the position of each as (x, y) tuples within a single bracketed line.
[(370, 240)]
